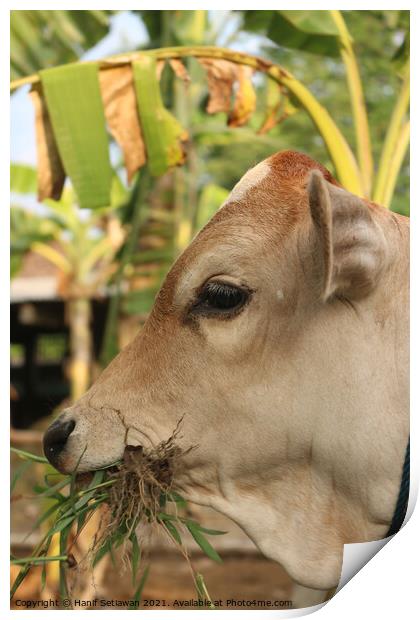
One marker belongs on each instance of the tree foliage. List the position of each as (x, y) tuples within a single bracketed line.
[(41, 39)]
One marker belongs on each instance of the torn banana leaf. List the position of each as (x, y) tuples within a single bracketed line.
[(163, 134), (119, 98), (74, 103), (273, 103), (278, 107), (245, 100), (179, 69), (160, 65), (50, 171), (221, 75)]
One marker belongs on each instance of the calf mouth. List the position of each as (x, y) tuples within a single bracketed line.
[(142, 481)]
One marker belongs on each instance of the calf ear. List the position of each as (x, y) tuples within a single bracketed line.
[(350, 244)]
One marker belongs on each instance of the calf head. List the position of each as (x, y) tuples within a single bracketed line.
[(254, 341)]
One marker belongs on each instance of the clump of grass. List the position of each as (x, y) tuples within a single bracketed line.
[(132, 493), (143, 485)]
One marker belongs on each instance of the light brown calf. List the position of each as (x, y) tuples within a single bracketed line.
[(280, 337)]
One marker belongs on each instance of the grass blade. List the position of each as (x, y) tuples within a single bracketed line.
[(139, 591), (173, 531), (135, 556), (102, 551), (41, 559), (18, 473), (210, 532), (71, 514), (43, 517), (43, 577), (64, 593), (202, 591), (19, 579), (28, 456), (203, 542), (51, 491), (61, 525), (40, 549), (173, 496)]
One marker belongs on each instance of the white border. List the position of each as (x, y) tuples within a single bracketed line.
[(387, 585)]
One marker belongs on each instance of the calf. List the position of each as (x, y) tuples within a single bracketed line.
[(280, 338)]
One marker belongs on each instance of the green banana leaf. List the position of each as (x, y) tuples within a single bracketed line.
[(75, 107), (310, 31), (162, 132), (23, 179)]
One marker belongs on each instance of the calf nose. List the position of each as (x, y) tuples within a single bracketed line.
[(55, 439)]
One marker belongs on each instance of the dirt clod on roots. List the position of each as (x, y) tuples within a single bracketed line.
[(142, 482)]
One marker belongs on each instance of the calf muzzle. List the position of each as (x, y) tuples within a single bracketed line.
[(55, 439)]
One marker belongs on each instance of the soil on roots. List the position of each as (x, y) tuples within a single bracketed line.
[(141, 484)]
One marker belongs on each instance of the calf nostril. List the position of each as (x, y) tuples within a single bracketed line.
[(56, 438)]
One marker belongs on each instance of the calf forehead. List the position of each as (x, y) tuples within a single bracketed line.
[(275, 188), (265, 206), (251, 179)]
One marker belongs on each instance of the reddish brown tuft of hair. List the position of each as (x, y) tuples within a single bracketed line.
[(295, 165)]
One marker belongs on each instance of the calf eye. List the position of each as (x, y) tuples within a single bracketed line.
[(220, 298)]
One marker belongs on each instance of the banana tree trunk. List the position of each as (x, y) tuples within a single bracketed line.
[(79, 314)]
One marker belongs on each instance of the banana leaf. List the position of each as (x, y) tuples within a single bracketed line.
[(310, 31), (163, 134), (75, 107)]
